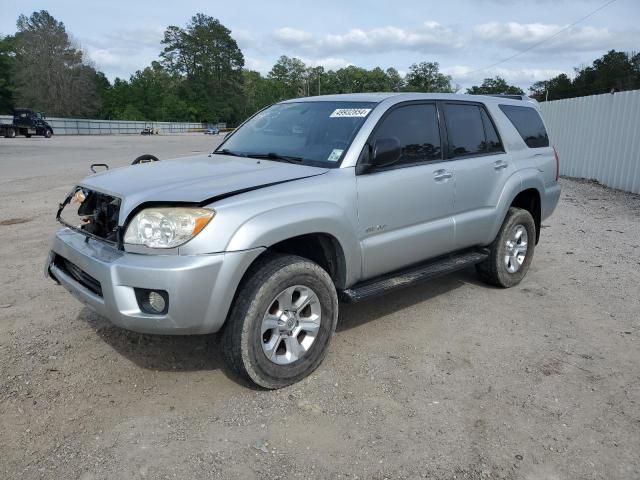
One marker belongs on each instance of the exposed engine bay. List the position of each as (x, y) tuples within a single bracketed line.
[(96, 214)]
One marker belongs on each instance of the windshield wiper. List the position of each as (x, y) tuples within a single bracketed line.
[(277, 157), (226, 151)]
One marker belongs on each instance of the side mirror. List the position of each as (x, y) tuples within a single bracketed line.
[(385, 152)]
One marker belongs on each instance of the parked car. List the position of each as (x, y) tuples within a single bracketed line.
[(27, 122), (148, 131), (309, 202), (212, 131)]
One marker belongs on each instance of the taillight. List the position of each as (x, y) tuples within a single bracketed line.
[(555, 154)]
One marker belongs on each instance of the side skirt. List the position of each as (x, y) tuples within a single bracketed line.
[(412, 275)]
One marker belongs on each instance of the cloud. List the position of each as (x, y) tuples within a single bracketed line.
[(522, 77), (291, 36), (519, 36), (329, 63), (428, 37), (462, 72)]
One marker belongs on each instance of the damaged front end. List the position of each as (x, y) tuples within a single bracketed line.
[(96, 215)]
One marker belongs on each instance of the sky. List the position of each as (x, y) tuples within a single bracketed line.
[(463, 36)]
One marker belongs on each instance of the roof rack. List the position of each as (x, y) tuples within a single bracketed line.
[(512, 97)]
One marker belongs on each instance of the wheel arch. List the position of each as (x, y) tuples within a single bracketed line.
[(319, 231), (529, 200)]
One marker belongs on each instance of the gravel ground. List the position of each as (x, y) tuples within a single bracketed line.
[(452, 379)]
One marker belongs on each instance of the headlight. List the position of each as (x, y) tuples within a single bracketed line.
[(167, 227)]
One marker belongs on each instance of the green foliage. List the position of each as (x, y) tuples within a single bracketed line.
[(208, 63), (49, 72), (613, 71), (200, 76), (495, 86), (6, 68), (426, 77)]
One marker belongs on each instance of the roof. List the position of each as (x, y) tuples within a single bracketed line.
[(378, 97)]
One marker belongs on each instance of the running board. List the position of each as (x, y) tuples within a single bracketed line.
[(411, 276)]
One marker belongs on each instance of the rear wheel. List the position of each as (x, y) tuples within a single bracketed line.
[(10, 133), (28, 135), (282, 321), (511, 251)]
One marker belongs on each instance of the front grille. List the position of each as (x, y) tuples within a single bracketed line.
[(75, 272), (93, 213)]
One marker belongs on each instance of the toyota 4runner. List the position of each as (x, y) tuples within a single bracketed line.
[(309, 202)]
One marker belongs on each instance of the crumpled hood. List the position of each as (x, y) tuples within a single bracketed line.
[(193, 179)]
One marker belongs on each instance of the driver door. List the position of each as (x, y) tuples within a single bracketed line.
[(405, 210)]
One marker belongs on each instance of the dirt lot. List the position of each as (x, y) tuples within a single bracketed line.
[(448, 380)]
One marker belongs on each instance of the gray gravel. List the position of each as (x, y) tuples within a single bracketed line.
[(452, 379)]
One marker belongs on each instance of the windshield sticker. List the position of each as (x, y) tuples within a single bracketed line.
[(350, 112), (335, 155)]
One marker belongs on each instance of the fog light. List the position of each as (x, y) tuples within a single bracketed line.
[(156, 302)]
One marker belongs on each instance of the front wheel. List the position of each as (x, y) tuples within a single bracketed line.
[(48, 133), (511, 251), (282, 321)]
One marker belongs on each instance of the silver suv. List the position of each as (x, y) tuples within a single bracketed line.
[(309, 202)]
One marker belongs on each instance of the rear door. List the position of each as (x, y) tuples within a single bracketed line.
[(481, 168), (405, 210)]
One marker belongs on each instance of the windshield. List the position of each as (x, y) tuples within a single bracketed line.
[(312, 133)]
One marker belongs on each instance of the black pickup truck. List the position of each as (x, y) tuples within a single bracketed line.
[(26, 122)]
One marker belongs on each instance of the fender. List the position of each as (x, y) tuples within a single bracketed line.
[(511, 188), (522, 180), (281, 223)]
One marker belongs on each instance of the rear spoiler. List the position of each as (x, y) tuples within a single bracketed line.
[(523, 98)]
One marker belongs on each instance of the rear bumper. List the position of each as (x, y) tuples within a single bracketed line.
[(200, 287), (549, 200)]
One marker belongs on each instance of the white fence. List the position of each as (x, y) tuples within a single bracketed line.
[(598, 137), (79, 126)]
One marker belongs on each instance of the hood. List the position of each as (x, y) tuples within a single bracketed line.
[(198, 179)]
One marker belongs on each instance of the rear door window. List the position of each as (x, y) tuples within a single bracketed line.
[(493, 143), (469, 130), (528, 123)]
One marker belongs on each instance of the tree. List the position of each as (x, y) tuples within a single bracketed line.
[(258, 92), (426, 77), (6, 70), (50, 73), (209, 63), (553, 89), (395, 80), (290, 77), (613, 71), (495, 86)]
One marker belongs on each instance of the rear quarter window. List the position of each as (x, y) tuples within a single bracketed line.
[(528, 123)]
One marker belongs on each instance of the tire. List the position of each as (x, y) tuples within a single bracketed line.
[(10, 133), (146, 158), (505, 267), (28, 135), (251, 330), (48, 133)]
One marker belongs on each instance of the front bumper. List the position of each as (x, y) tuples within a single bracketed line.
[(200, 287)]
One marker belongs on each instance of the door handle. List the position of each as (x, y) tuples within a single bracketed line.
[(442, 175), (500, 164)]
